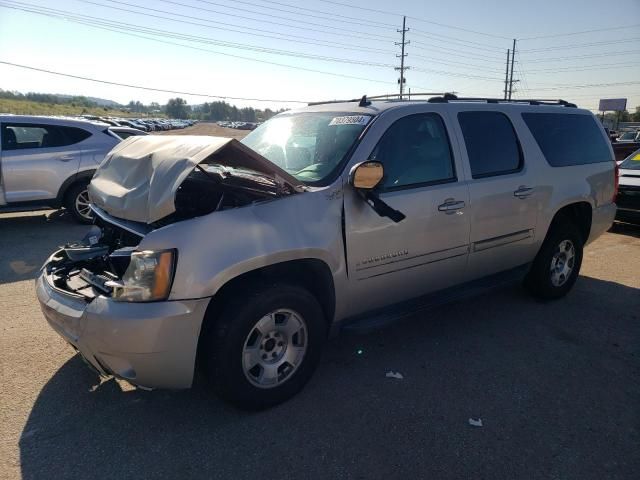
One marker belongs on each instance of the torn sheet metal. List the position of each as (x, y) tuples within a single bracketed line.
[(139, 178)]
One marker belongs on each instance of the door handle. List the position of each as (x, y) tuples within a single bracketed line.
[(65, 158), (523, 192), (451, 205)]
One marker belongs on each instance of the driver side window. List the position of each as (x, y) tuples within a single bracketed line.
[(415, 151)]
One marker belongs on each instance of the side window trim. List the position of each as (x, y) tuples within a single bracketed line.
[(521, 159), (453, 179), (62, 130)]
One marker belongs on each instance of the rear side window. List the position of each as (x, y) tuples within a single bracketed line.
[(415, 152), (492, 145), (568, 139), (25, 135)]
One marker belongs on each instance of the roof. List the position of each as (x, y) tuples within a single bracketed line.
[(376, 106), (53, 120)]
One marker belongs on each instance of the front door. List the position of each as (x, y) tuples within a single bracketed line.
[(390, 262)]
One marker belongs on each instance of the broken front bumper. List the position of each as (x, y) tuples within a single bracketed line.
[(149, 344)]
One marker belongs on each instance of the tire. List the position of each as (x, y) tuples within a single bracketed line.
[(76, 202), (243, 336), (563, 249)]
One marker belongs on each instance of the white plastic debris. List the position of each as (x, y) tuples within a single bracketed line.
[(475, 423), (392, 374)]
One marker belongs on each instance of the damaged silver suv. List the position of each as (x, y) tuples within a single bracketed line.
[(241, 257)]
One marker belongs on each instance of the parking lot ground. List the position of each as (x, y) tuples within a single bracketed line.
[(556, 385), (207, 128)]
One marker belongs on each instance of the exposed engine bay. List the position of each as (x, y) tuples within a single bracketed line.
[(95, 265), (211, 187), (85, 268)]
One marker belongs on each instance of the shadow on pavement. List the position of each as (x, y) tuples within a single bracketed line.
[(28, 239), (557, 386)]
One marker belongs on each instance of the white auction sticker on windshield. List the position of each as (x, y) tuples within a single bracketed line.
[(351, 120)]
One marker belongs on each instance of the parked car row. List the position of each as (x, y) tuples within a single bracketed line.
[(47, 162), (143, 124), (240, 125)]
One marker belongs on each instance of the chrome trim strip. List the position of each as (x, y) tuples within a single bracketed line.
[(460, 251), (502, 240), (404, 259)]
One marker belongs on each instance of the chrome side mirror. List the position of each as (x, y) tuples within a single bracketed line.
[(366, 175)]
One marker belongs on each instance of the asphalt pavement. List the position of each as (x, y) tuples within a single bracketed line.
[(555, 385)]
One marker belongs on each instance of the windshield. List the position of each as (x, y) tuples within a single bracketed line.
[(309, 146), (632, 162)]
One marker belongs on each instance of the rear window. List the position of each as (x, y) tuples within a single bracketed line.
[(568, 139)]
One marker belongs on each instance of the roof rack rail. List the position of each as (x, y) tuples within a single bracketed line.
[(365, 100), (448, 97)]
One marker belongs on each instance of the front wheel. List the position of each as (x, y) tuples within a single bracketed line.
[(557, 265), (77, 203), (265, 345)]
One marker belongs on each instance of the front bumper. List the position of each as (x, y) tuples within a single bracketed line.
[(152, 345)]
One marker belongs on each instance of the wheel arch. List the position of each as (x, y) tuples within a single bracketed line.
[(80, 177), (580, 213), (311, 273)]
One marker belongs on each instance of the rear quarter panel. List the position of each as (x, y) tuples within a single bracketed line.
[(558, 187)]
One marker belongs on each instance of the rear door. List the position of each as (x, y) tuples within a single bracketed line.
[(502, 191), (390, 262), (38, 158)]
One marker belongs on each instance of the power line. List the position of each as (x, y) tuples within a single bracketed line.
[(593, 55), (297, 38), (451, 50), (332, 16), (139, 87), (449, 40), (580, 32), (581, 45), (241, 57), (126, 29), (581, 68), (455, 74), (386, 12), (369, 38), (456, 64), (364, 35), (89, 20), (568, 85)]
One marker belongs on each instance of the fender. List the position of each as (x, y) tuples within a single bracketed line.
[(84, 175)]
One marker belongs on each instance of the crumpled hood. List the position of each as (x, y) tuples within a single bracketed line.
[(139, 178)]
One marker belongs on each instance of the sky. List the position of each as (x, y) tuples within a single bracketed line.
[(286, 51)]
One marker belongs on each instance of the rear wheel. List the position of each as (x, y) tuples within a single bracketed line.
[(557, 265), (265, 346), (77, 203)]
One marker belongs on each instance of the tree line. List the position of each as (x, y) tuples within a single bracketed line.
[(175, 107)]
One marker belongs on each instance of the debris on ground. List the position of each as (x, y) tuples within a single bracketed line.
[(475, 423), (392, 374)]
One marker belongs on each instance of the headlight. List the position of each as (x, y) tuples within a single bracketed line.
[(148, 277)]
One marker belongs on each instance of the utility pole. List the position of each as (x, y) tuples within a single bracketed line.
[(402, 44), (506, 76), (513, 56)]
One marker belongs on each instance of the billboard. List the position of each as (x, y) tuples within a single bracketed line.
[(612, 104)]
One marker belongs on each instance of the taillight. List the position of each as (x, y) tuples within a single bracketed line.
[(616, 180)]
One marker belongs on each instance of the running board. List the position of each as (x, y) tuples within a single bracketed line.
[(380, 318)]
